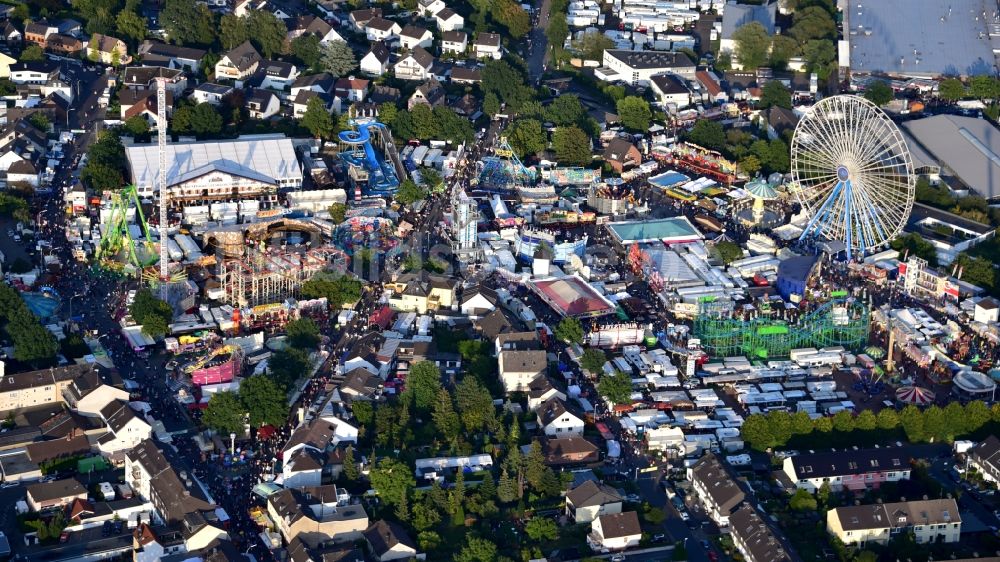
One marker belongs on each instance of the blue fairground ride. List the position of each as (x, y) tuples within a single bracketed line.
[(372, 174)]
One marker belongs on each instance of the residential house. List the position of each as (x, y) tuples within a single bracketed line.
[(670, 90), (91, 391), (415, 351), (556, 420), (34, 389), (487, 45), (145, 78), (320, 83), (590, 500), (638, 67), (415, 65), (376, 60), (107, 50), (511, 340), (351, 89), (478, 300), (364, 353), (735, 16), (154, 53), (449, 20), (569, 451), (359, 18), (622, 155), (273, 75), (390, 541), (312, 25), (53, 495), (440, 70), (152, 478), (454, 42), (382, 94), (262, 104), (125, 429), (429, 93), (70, 27), (987, 311), (23, 172), (381, 29), (715, 489), (10, 34), (519, 368), (985, 458), (34, 72), (780, 122), (930, 521), (5, 62), (615, 532), (60, 44), (430, 7), (315, 516), (37, 32), (712, 91), (463, 75), (240, 62), (540, 391), (212, 93), (854, 470), (300, 103), (413, 36), (421, 291), (361, 384), (143, 103), (755, 540), (314, 451)]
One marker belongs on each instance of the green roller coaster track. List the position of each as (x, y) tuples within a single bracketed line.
[(835, 323), (118, 250)]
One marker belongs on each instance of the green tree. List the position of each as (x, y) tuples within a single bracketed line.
[(233, 31), (783, 48), (477, 550), (187, 22), (306, 48), (866, 421), (507, 488), (887, 419), (592, 45), (266, 31), (527, 137), (565, 110), (105, 162), (425, 514), (287, 366), (131, 26), (708, 134), (409, 193), (951, 89), (363, 411), (303, 333), (74, 347), (392, 480), (317, 119), (913, 244), (451, 127), (224, 413), (802, 501), (445, 418), (977, 414), (912, 421), (424, 383), (752, 45), (634, 113), (978, 271), (337, 58), (202, 119), (749, 165), (569, 330), (756, 431), (819, 54), (801, 423), (617, 388), (775, 94), (351, 472), (506, 83), (136, 126), (813, 23), (40, 121), (935, 424), (491, 104), (823, 493), (338, 290), (264, 400), (558, 30), (572, 146), (474, 404), (593, 360), (428, 541), (843, 421), (541, 529), (511, 15), (878, 92), (32, 53), (338, 212), (153, 314), (728, 251)]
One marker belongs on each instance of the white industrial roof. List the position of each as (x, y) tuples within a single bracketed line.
[(271, 157)]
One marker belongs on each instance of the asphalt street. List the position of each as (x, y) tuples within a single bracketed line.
[(539, 51)]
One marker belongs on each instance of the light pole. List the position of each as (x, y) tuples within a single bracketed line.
[(232, 443), (68, 110)]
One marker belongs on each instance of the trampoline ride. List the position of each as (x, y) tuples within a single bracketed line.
[(852, 174)]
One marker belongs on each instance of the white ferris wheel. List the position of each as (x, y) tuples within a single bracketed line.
[(852, 173)]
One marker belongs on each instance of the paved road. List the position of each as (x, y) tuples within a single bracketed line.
[(539, 44)]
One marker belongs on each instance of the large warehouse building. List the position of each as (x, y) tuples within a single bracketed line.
[(199, 172), (920, 38), (967, 149)]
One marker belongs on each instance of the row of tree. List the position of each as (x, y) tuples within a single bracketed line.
[(259, 401), (153, 314), (32, 342), (776, 429), (811, 36)]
